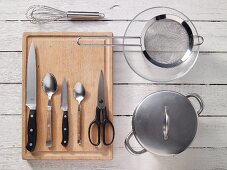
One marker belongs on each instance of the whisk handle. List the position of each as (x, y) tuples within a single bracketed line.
[(84, 15)]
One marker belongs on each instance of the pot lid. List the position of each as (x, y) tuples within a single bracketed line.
[(165, 122)]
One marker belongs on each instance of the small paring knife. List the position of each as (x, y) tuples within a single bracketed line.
[(31, 98), (64, 107)]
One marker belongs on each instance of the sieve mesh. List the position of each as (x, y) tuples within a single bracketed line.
[(166, 42)]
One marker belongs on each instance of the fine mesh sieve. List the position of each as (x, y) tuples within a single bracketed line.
[(166, 41)]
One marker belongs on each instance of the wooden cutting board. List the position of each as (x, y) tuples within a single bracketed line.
[(59, 54)]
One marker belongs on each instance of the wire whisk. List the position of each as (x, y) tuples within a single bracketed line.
[(43, 14)]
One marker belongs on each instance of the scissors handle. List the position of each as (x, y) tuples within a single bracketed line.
[(106, 122), (96, 122)]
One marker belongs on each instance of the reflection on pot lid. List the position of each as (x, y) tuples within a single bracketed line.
[(165, 122)]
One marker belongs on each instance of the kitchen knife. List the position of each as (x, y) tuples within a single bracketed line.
[(31, 98), (64, 107)]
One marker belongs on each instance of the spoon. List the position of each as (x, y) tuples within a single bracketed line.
[(49, 85), (79, 93)]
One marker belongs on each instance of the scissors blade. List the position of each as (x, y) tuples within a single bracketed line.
[(101, 98)]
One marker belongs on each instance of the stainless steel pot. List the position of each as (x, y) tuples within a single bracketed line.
[(164, 123)]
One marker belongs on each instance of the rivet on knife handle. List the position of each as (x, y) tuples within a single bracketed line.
[(32, 131), (64, 107), (65, 129)]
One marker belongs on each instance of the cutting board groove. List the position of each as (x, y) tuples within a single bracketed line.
[(59, 54)]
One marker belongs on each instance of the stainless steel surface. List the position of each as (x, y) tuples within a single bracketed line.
[(79, 38), (167, 44), (31, 79), (44, 14), (166, 124), (129, 148), (199, 99), (49, 85), (84, 15), (64, 96), (166, 40), (140, 38), (149, 122), (101, 97), (79, 94)]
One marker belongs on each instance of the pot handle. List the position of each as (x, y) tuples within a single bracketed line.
[(128, 146), (200, 40), (199, 99), (166, 124)]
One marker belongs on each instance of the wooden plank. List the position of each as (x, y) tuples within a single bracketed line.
[(191, 159), (116, 9), (211, 132), (11, 38), (11, 99), (10, 67), (126, 97), (209, 69), (74, 66)]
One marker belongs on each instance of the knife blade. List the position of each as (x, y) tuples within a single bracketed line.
[(64, 107), (31, 98)]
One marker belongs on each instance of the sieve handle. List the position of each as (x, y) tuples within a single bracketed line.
[(79, 38), (200, 40)]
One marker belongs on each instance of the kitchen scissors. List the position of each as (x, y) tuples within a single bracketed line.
[(101, 121)]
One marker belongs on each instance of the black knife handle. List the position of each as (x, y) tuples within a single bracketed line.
[(32, 131), (65, 129)]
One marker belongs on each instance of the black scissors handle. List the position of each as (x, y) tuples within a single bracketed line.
[(96, 122), (106, 122)]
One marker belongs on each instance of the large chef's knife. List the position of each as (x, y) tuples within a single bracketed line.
[(64, 107), (31, 98)]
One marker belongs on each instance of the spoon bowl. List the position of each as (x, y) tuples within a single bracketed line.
[(49, 85), (79, 94)]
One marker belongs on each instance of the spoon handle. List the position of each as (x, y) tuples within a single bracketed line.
[(79, 125), (49, 136)]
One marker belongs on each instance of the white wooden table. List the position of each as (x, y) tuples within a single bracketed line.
[(208, 78)]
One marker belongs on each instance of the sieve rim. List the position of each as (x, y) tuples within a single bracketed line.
[(178, 20)]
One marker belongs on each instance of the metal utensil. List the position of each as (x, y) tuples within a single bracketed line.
[(31, 98), (49, 85), (164, 123), (97, 122), (64, 107), (79, 93), (44, 14), (167, 44)]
